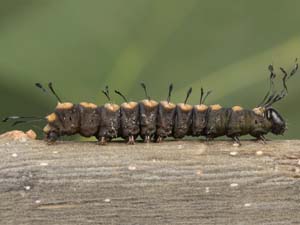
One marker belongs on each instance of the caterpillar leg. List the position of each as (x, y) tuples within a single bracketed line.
[(102, 141), (236, 141), (51, 138), (147, 139), (262, 138), (131, 140), (159, 139)]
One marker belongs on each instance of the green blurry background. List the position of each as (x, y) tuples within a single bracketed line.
[(82, 45)]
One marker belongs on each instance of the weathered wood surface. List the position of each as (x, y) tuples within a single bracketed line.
[(186, 182)]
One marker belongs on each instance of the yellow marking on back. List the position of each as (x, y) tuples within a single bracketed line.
[(129, 105), (201, 108), (149, 103), (215, 107), (237, 108), (167, 105), (259, 111), (64, 105), (88, 105), (51, 118), (111, 107), (185, 107)]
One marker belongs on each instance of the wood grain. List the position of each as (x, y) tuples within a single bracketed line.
[(176, 182)]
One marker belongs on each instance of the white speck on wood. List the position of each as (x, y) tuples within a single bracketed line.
[(107, 200), (131, 167), (259, 153), (27, 188), (44, 164), (233, 153), (199, 172), (236, 144), (14, 155), (207, 189), (234, 185)]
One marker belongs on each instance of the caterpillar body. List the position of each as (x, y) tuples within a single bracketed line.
[(155, 121)]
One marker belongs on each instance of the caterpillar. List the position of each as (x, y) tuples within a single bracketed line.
[(155, 121)]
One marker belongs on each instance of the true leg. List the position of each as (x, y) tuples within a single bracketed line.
[(236, 140), (51, 138), (262, 139)]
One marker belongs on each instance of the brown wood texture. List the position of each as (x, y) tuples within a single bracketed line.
[(176, 182)]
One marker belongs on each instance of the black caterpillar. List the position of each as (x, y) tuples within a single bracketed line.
[(154, 121)]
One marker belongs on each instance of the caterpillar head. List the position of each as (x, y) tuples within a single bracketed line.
[(273, 96), (278, 123)]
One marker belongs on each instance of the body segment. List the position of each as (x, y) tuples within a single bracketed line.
[(89, 119), (183, 120), (165, 120), (110, 123), (148, 118), (199, 120), (130, 121), (217, 120)]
